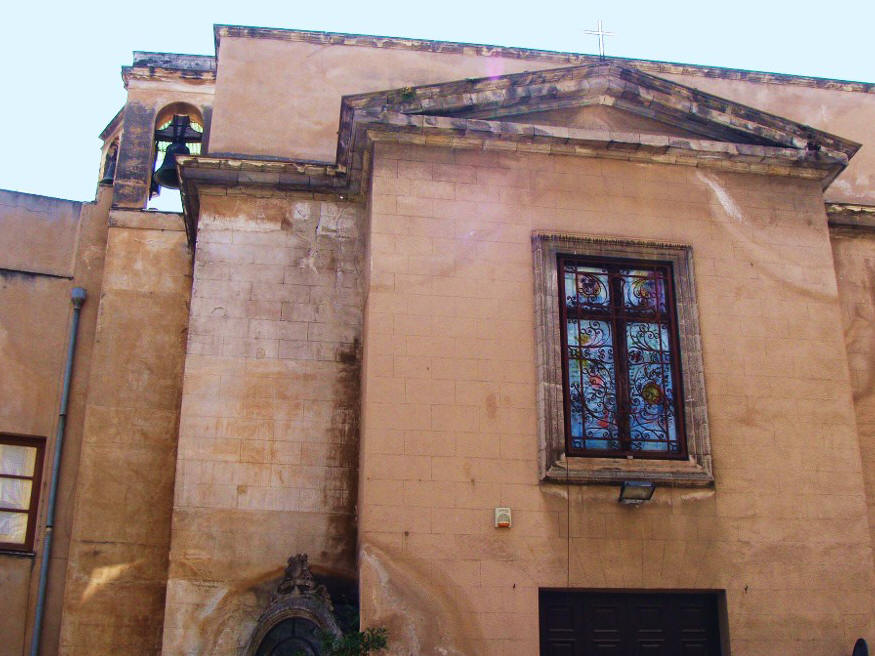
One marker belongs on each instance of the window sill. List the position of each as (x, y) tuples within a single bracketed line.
[(589, 471), (17, 554)]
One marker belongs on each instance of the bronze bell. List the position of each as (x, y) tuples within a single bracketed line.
[(178, 133), (166, 175)]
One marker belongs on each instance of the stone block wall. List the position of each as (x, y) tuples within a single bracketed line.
[(268, 438), (114, 596), (450, 416)]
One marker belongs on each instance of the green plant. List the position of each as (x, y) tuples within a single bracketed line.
[(357, 643)]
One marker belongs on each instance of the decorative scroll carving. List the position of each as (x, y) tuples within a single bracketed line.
[(298, 581)]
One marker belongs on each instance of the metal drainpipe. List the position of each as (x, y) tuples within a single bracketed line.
[(78, 298)]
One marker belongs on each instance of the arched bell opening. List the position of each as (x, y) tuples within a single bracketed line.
[(110, 158), (179, 129)]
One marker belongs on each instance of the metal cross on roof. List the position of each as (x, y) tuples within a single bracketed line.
[(601, 34)]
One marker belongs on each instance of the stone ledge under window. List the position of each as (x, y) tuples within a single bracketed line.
[(17, 554), (583, 471)]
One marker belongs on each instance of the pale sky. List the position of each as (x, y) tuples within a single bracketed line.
[(60, 62)]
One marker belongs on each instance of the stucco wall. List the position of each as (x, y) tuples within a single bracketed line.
[(47, 246), (268, 438), (45, 229), (282, 98), (449, 411)]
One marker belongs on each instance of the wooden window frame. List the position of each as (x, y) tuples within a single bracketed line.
[(617, 316), (555, 463), (36, 482)]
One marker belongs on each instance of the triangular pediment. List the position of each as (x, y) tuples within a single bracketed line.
[(579, 107), (600, 117)]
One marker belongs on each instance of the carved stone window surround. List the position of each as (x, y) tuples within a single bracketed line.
[(554, 465)]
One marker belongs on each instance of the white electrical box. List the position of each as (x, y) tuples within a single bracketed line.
[(502, 518)]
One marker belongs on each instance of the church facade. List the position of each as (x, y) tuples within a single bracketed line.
[(505, 351)]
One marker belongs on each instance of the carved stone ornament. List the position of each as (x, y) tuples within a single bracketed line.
[(300, 611), (298, 580)]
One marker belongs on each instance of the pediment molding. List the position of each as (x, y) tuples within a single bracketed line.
[(607, 84), (494, 100)]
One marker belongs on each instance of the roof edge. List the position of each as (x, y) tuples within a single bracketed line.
[(113, 125), (174, 61), (851, 215), (551, 56)]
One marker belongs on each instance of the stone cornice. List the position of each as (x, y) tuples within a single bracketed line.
[(176, 61), (480, 134), (198, 172), (348, 177), (520, 137), (134, 74), (850, 215), (242, 171), (552, 57)]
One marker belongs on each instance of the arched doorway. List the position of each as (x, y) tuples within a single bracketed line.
[(297, 618)]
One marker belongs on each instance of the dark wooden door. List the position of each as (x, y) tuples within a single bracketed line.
[(583, 623)]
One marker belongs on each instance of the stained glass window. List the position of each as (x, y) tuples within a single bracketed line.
[(20, 468), (620, 359)]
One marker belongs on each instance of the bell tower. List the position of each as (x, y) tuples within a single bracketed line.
[(131, 410), (168, 112)]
